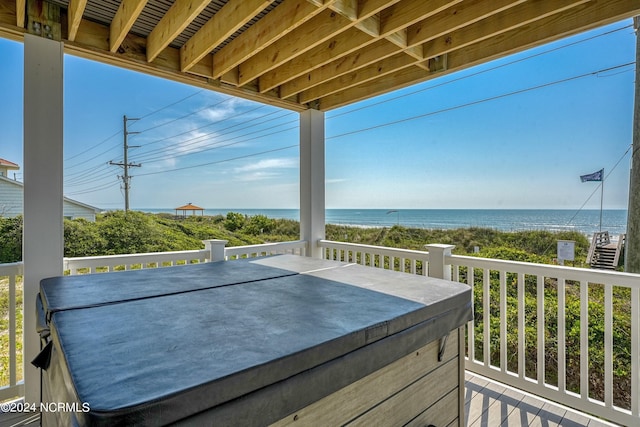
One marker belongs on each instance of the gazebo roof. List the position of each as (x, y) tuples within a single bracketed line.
[(189, 207), (301, 54)]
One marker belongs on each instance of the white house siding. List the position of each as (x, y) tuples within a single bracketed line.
[(73, 211), (11, 202), (10, 198)]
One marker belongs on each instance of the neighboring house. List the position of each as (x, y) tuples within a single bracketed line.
[(11, 197)]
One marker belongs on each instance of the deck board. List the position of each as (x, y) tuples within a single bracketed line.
[(489, 403)]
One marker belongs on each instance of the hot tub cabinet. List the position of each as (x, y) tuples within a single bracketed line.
[(269, 341)]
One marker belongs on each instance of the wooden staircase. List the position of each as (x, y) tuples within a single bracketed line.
[(602, 253)]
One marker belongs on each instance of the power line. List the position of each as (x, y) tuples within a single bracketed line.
[(469, 104), (480, 72)]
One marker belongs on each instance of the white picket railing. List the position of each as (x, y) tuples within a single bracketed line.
[(298, 247), (95, 264), (516, 286), (11, 280), (515, 294)]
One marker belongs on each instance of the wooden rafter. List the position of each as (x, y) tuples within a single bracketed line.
[(221, 26), (581, 18), (21, 11), (124, 19), (76, 9), (479, 30), (456, 17), (177, 18), (285, 18)]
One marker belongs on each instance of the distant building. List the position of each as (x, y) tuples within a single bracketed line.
[(184, 210), (12, 201)]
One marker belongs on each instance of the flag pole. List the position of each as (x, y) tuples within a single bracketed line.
[(601, 197)]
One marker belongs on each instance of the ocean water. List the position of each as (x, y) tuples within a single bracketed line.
[(585, 221)]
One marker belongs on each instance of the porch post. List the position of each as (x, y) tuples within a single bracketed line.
[(312, 202), (438, 267), (43, 232)]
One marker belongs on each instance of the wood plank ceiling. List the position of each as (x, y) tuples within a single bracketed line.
[(301, 54)]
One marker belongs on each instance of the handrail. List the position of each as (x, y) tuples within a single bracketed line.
[(298, 247)]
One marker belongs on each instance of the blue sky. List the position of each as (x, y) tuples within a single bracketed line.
[(461, 141)]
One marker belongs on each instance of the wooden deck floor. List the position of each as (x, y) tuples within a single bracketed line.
[(488, 404), (492, 404)]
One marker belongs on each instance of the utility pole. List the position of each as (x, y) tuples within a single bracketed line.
[(632, 245), (125, 164)]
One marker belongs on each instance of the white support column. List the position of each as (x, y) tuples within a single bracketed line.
[(312, 201), (43, 232)]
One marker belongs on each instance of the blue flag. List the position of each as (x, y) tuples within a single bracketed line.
[(596, 176)]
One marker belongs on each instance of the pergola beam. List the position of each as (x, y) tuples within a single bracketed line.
[(179, 16), (221, 26), (76, 9), (124, 19)]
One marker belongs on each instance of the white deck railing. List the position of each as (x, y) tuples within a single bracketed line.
[(505, 294), (544, 303), (11, 285), (298, 247)]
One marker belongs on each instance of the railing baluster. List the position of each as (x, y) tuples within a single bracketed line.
[(584, 340), (12, 331), (471, 325), (540, 365), (503, 321), (562, 341), (635, 352), (486, 320), (521, 312), (608, 345)]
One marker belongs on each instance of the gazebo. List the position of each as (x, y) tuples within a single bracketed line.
[(189, 207), (308, 56)]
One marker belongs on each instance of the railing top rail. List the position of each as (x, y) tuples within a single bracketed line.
[(141, 255), (265, 247), (11, 268), (372, 248), (558, 271), (293, 243)]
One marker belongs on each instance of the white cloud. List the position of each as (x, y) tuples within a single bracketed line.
[(261, 165)]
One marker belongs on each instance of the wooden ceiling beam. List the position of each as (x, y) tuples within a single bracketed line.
[(374, 52), (74, 14), (283, 19), (372, 72), (462, 15), (479, 30), (123, 20), (233, 16), (512, 18), (316, 31), (584, 17), (21, 12), (340, 46), (177, 18)]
